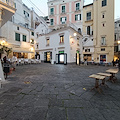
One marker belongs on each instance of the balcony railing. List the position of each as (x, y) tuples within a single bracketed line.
[(8, 2)]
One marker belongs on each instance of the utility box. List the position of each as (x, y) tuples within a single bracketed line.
[(6, 68)]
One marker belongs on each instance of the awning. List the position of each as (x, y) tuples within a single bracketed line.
[(20, 50)]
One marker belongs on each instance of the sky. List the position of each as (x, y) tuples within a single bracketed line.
[(42, 5)]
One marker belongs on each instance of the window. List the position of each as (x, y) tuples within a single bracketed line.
[(24, 38), (102, 58), (103, 25), (103, 41), (77, 6), (87, 50), (104, 3), (17, 36), (115, 37), (77, 17), (37, 46), (17, 28), (62, 39), (32, 33), (88, 30), (51, 11), (103, 15), (26, 14), (51, 21), (116, 49), (88, 16), (102, 49), (47, 42), (63, 20), (15, 5), (63, 9)]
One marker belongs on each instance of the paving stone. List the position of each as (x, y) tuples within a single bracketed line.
[(75, 114), (56, 113), (58, 92)]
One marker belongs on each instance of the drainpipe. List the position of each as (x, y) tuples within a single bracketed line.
[(0, 17)]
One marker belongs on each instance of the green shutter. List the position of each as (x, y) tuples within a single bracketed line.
[(24, 38), (65, 18), (75, 17), (17, 36), (61, 19)]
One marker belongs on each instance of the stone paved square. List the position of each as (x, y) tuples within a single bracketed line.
[(58, 92)]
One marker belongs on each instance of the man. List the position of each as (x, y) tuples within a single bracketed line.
[(119, 63)]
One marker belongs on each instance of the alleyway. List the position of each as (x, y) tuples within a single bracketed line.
[(58, 92)]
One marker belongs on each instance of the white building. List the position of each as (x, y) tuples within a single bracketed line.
[(18, 32), (61, 46)]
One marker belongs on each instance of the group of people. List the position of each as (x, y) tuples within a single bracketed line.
[(4, 60), (116, 63)]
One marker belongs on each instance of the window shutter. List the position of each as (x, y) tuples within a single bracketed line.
[(65, 18), (75, 17), (61, 19)]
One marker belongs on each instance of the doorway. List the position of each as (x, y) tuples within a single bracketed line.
[(47, 57), (61, 58)]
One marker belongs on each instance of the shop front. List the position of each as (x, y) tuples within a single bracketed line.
[(23, 53), (61, 58), (47, 57)]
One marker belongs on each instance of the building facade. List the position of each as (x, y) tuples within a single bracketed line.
[(60, 46), (19, 33), (65, 12), (117, 39), (103, 34)]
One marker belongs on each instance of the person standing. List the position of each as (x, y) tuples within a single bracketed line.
[(113, 62), (119, 63), (14, 62)]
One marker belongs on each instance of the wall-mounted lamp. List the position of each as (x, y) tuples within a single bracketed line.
[(75, 34)]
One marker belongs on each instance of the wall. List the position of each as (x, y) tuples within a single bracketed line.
[(107, 31)]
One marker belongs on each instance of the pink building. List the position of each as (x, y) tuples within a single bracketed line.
[(63, 12)]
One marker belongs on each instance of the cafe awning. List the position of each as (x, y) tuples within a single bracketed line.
[(21, 50)]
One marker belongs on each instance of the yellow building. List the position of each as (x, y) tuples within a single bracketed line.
[(99, 22)]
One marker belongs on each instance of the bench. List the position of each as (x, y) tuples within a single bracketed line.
[(97, 78)]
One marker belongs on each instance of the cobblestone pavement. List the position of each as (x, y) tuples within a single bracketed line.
[(58, 92)]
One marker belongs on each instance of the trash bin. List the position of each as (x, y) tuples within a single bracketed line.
[(6, 69)]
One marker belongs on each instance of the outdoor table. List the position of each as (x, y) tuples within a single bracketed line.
[(112, 77), (97, 78), (106, 75)]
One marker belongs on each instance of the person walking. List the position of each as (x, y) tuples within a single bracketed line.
[(113, 62)]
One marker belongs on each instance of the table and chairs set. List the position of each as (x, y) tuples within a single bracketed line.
[(23, 61), (110, 73)]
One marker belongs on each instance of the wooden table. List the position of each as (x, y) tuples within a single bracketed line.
[(106, 75), (97, 78), (112, 72)]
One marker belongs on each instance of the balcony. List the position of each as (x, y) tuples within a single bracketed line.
[(9, 3), (7, 9)]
